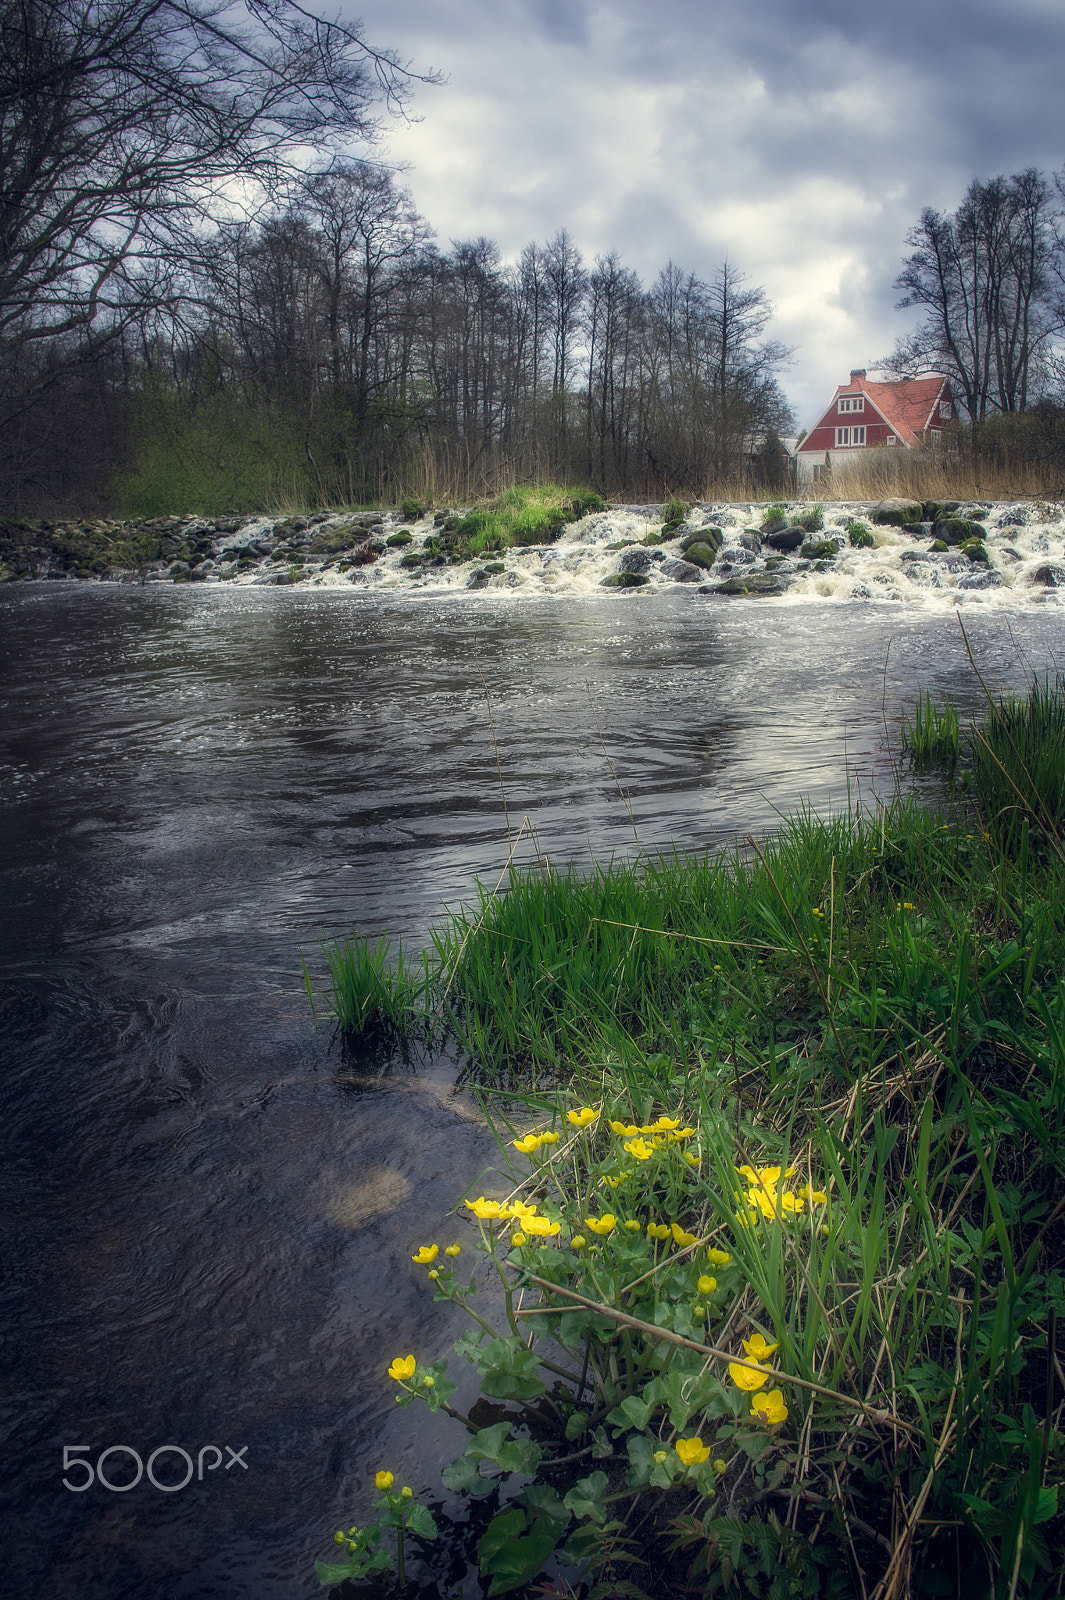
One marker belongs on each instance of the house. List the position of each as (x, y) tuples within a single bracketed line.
[(908, 414)]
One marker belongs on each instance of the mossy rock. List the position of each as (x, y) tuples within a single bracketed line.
[(700, 555), (623, 544), (896, 513), (413, 558), (330, 544), (939, 547), (655, 538), (395, 540), (956, 530), (711, 538), (624, 580), (974, 549), (495, 566), (786, 538), (753, 584), (822, 550)]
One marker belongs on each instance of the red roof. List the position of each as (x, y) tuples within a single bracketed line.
[(908, 405)]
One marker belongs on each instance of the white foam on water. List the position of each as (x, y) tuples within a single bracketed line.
[(900, 569)]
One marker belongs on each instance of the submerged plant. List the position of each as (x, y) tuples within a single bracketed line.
[(934, 735)]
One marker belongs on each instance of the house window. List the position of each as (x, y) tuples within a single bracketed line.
[(848, 437), (852, 402), (933, 434), (946, 410), (891, 439)]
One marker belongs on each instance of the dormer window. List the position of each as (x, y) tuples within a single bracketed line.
[(851, 402)]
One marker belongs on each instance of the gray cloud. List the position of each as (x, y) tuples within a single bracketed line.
[(799, 137)]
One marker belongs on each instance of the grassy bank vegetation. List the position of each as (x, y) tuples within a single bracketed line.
[(780, 1211)]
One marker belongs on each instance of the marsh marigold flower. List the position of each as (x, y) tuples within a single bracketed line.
[(658, 1230), (769, 1407), (602, 1225), (757, 1349), (549, 1138), (541, 1227), (718, 1258), (706, 1284), (747, 1379), (452, 1249), (426, 1254), (692, 1452), (384, 1480), (625, 1130), (484, 1208), (640, 1149), (528, 1145), (681, 1238), (582, 1116), (402, 1368)]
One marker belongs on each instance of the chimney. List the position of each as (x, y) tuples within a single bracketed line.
[(856, 373)]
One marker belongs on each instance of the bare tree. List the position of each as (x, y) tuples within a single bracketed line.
[(988, 277)]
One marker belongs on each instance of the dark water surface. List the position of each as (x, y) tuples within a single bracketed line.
[(208, 1235)]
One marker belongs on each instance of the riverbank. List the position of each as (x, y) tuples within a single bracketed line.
[(533, 543), (779, 1211)]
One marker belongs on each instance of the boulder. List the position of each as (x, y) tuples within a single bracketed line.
[(700, 555), (747, 540), (955, 530), (979, 578), (478, 579), (894, 513), (975, 550), (736, 556), (636, 560), (765, 584), (785, 538), (711, 537), (624, 580), (1048, 576), (681, 571), (823, 550)]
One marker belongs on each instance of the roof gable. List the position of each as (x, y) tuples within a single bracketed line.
[(908, 406)]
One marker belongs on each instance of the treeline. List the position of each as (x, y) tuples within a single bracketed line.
[(332, 353)]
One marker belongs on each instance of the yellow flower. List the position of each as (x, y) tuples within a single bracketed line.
[(427, 1253), (402, 1368), (769, 1407), (744, 1378), (718, 1258), (432, 1273), (452, 1249), (682, 1239), (692, 1451), (706, 1285), (757, 1349), (549, 1138), (484, 1208), (384, 1480), (582, 1116), (813, 1197), (428, 1382), (693, 1161), (625, 1130), (526, 1146), (520, 1209), (720, 1467), (602, 1225), (517, 1239), (640, 1149), (632, 1226), (578, 1241), (682, 1133), (543, 1227), (661, 1457), (663, 1125), (658, 1230), (614, 1183)]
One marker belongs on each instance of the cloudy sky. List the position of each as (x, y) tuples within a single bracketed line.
[(799, 138)]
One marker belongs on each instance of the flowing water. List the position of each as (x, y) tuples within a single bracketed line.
[(209, 1214)]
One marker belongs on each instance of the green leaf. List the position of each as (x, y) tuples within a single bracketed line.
[(330, 1572), (633, 1412), (502, 1528), (463, 1477), (420, 1521), (576, 1425), (545, 1507), (509, 1371), (585, 1499), (510, 1560)]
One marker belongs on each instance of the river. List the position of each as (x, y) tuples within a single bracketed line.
[(210, 1214)]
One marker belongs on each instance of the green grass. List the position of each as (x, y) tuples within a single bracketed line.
[(868, 1005), (933, 737), (521, 516)]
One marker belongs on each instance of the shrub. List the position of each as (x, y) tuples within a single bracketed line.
[(859, 536)]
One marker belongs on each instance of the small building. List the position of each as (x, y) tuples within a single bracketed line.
[(908, 414)]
